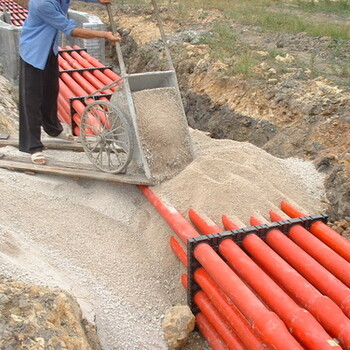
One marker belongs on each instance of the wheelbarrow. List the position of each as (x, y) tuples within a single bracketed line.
[(143, 128)]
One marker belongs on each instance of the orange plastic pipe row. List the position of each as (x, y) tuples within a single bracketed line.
[(96, 63), (213, 338), (327, 257), (268, 325), (323, 232), (315, 273), (84, 63), (88, 75), (301, 323), (240, 325), (300, 289), (218, 322), (80, 84)]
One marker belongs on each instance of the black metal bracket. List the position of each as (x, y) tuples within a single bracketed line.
[(71, 50), (81, 70), (237, 236), (82, 100)]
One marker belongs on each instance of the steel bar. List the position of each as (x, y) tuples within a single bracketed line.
[(323, 232), (268, 325), (315, 273), (326, 256), (301, 323)]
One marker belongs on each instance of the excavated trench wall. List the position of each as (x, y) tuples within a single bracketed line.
[(9, 34), (222, 122)]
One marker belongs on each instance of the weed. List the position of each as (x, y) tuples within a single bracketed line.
[(274, 53), (244, 64), (221, 40)]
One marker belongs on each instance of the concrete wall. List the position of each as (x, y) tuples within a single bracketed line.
[(9, 34), (95, 47), (9, 58)]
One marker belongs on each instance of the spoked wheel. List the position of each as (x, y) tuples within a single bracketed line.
[(106, 136)]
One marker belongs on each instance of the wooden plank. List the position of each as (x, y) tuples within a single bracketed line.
[(75, 173), (54, 162), (49, 143)]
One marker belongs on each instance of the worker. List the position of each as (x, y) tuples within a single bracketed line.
[(38, 79)]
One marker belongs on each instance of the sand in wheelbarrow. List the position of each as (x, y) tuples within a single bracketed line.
[(163, 131)]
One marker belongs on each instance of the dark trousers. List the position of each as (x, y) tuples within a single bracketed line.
[(38, 91)]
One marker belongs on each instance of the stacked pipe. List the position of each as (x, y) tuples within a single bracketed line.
[(286, 291), (80, 75), (17, 13)]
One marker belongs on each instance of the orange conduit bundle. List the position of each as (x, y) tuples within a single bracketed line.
[(18, 13), (247, 285), (80, 76)]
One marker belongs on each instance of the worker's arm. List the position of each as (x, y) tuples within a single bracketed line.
[(92, 34)]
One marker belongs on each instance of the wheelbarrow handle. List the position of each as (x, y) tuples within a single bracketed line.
[(117, 45), (162, 34)]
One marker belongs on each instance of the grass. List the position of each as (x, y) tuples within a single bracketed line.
[(326, 6), (275, 16), (221, 40)]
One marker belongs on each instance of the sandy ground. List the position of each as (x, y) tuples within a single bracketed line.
[(108, 246)]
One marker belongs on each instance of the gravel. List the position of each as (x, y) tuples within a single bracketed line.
[(106, 245)]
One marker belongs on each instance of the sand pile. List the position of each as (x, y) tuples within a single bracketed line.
[(240, 180), (108, 246)]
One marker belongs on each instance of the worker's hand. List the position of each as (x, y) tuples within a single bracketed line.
[(104, 2), (113, 38)]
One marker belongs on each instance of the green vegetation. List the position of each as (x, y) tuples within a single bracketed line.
[(315, 18), (327, 6), (221, 40)]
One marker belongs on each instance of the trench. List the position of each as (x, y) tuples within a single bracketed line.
[(222, 122)]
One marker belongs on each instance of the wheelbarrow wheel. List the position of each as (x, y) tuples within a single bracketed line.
[(106, 136)]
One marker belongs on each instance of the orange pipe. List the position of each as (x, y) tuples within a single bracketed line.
[(268, 325), (215, 319), (326, 256), (301, 290), (315, 273), (97, 63), (178, 251), (99, 74), (228, 224), (63, 115), (240, 325), (212, 337), (323, 232), (80, 79), (67, 93), (86, 74), (301, 323)]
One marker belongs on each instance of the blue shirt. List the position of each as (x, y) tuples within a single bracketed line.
[(40, 30)]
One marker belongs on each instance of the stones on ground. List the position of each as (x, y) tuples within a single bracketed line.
[(8, 108), (38, 318), (177, 325)]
